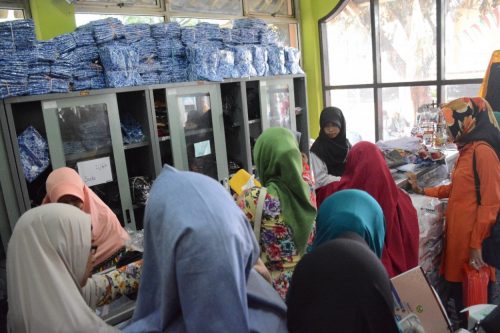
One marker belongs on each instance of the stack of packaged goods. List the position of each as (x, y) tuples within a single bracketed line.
[(203, 60), (171, 52), (119, 60), (140, 40), (276, 60), (292, 61), (17, 41), (131, 129), (430, 212), (88, 72)]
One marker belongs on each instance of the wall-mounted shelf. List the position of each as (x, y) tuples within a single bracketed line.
[(136, 145)]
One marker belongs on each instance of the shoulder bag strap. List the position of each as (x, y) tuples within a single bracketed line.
[(258, 212), (477, 182)]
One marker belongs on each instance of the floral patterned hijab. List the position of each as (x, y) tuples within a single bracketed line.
[(471, 119)]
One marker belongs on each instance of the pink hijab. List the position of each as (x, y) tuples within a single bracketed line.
[(107, 232)]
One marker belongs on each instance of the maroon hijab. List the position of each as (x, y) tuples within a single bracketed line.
[(367, 170)]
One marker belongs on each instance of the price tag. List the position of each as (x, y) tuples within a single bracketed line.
[(95, 172)]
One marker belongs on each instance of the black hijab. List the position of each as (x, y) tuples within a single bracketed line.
[(332, 151), (341, 287)]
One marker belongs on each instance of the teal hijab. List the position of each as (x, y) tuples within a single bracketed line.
[(351, 211), (279, 167)]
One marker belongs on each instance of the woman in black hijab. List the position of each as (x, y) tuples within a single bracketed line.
[(329, 151), (341, 287)]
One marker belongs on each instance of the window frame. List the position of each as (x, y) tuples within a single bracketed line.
[(440, 83), (17, 4)]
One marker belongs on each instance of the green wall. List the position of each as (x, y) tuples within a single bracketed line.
[(311, 11), (52, 17)]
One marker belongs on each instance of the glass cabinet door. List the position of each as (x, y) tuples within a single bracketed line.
[(200, 133), (278, 106), (84, 134)]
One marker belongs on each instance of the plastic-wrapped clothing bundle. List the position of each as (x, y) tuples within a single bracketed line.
[(61, 69), (108, 29), (64, 43), (149, 65), (204, 62), (226, 35), (136, 32), (84, 35), (276, 60), (292, 60), (87, 53), (259, 54), (269, 37), (178, 75), (226, 64), (208, 31), (16, 35), (67, 57), (253, 23), (123, 78), (131, 129), (188, 35), (145, 48), (245, 36), (170, 48), (170, 30), (173, 70), (94, 134), (34, 153), (12, 88), (88, 70), (39, 67), (96, 82), (243, 61), (45, 84), (118, 58), (150, 78), (46, 51)]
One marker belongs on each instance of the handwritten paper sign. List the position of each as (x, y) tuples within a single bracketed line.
[(95, 172)]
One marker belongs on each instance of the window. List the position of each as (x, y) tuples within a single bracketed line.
[(82, 19), (421, 51), (14, 10)]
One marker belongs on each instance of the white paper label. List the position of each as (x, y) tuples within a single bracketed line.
[(49, 105), (95, 172), (202, 148)]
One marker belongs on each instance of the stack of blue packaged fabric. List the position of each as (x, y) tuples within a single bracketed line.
[(84, 35), (207, 31), (140, 40), (34, 153), (248, 31), (108, 29), (45, 84), (292, 61), (61, 69), (171, 30), (203, 62), (243, 61), (259, 55), (94, 134), (226, 64), (269, 36), (136, 32), (131, 129), (13, 76), (120, 65), (276, 60), (16, 35)]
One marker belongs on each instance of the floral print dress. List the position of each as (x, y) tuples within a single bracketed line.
[(278, 250)]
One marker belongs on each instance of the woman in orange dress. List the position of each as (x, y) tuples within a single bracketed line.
[(475, 130)]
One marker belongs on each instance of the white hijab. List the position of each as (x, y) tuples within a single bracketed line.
[(46, 259)]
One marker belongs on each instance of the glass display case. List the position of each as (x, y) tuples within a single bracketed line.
[(197, 130), (277, 103), (84, 133)]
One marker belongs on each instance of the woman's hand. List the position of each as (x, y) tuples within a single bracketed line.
[(476, 259), (261, 268), (412, 179)]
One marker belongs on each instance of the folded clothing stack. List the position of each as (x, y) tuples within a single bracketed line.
[(13, 76), (108, 29), (137, 32), (131, 129), (84, 35), (226, 64), (276, 60), (94, 134), (259, 55), (171, 30), (203, 62), (292, 61), (269, 36), (243, 63), (120, 65), (248, 31), (34, 153), (16, 35), (44, 84)]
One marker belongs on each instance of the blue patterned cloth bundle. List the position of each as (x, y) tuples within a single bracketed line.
[(150, 77), (108, 29), (63, 70), (292, 61), (170, 48), (137, 32), (87, 70), (39, 67), (170, 30), (269, 37), (84, 35), (88, 53), (203, 62), (259, 55), (46, 51), (16, 35), (45, 84), (243, 63), (64, 43), (131, 129), (34, 153), (276, 60), (226, 64), (95, 82)]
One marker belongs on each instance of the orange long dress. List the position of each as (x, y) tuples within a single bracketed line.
[(466, 223)]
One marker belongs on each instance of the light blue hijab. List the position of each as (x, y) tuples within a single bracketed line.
[(351, 211), (198, 253)]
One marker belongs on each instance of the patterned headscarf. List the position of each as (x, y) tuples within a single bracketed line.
[(472, 119)]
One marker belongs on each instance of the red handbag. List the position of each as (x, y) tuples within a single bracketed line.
[(475, 285)]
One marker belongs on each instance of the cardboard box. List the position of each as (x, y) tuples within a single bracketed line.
[(414, 295)]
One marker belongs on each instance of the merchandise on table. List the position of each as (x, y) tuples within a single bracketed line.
[(34, 153)]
